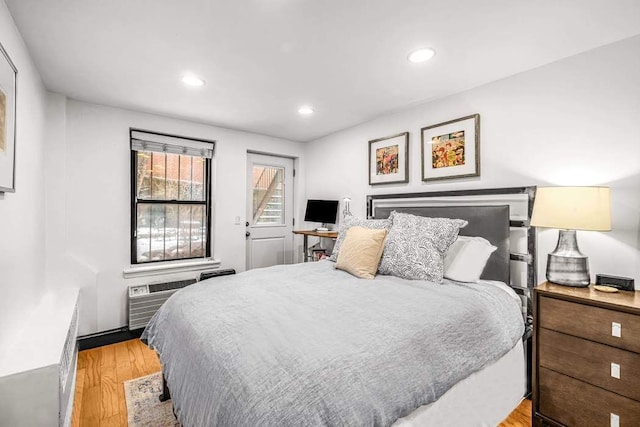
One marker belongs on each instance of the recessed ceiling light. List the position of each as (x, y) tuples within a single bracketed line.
[(421, 55), (191, 80), (305, 110)]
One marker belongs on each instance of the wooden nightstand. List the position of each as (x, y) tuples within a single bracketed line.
[(582, 340)]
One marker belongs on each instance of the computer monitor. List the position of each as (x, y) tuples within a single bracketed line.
[(324, 211)]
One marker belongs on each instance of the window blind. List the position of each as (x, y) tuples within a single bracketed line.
[(147, 141)]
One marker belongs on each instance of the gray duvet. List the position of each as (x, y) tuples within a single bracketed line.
[(308, 345)]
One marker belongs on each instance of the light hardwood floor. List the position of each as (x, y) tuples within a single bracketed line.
[(102, 371)]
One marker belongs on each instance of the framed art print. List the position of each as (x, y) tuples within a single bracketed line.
[(389, 159), (8, 74), (451, 149)]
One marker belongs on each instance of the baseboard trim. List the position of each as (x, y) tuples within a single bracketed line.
[(112, 336)]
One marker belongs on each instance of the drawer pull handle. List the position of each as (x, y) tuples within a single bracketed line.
[(616, 329), (615, 420), (615, 370)]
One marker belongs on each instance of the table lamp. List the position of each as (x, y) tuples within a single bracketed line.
[(570, 209)]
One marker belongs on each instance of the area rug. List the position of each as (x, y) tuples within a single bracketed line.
[(144, 409)]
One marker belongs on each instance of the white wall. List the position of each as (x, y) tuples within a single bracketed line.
[(576, 121), (22, 224), (89, 209), (573, 122)]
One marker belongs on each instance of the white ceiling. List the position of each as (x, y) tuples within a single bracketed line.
[(262, 59)]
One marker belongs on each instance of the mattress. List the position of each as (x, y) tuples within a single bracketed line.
[(485, 398)]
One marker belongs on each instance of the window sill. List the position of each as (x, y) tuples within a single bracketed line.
[(169, 267)]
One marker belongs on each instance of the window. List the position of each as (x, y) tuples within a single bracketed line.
[(170, 197)]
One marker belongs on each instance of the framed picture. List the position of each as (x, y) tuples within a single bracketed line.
[(451, 149), (8, 75), (389, 159)]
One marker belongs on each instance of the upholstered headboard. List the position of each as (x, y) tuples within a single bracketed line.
[(500, 215), (490, 222)]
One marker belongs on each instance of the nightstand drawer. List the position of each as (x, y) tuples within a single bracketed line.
[(593, 323), (574, 403), (590, 362)]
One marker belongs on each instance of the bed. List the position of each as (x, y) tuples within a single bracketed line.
[(308, 344)]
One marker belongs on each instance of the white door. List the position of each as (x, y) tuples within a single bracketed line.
[(269, 210)]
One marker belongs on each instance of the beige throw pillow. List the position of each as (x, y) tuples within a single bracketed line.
[(353, 221), (361, 251)]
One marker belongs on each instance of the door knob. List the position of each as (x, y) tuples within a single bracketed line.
[(247, 234), (246, 224)]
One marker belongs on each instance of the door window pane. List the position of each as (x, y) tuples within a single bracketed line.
[(268, 195)]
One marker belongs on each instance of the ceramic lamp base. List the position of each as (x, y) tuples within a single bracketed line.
[(566, 265)]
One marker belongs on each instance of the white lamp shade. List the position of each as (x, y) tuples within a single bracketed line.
[(572, 208)]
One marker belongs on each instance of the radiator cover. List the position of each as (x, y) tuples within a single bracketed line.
[(68, 368)]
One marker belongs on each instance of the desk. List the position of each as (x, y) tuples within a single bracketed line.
[(306, 233)]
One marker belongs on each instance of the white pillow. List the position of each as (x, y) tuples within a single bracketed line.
[(466, 258)]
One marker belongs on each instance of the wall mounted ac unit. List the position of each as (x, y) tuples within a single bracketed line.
[(145, 300)]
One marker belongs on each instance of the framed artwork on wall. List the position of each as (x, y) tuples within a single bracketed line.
[(8, 74), (389, 159), (451, 149)]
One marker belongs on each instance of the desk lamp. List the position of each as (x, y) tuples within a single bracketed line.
[(570, 209), (346, 203)]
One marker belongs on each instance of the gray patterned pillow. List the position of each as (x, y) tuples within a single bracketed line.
[(352, 221), (416, 246)]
